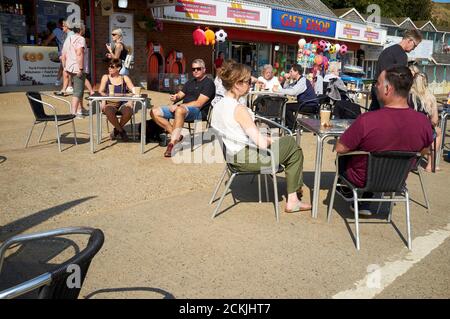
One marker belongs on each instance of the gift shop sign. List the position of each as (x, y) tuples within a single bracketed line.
[(219, 11), (296, 22), (38, 64), (360, 33)]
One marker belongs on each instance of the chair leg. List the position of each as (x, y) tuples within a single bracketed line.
[(218, 185), (267, 188), (408, 220), (29, 134), (42, 132), (355, 203), (379, 204), (259, 189), (57, 136), (223, 196), (74, 132), (391, 208), (427, 203), (275, 195), (333, 191)]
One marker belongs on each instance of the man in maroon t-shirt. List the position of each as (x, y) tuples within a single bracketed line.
[(396, 127)]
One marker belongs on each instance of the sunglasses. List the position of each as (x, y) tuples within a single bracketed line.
[(196, 69), (112, 66), (113, 34)]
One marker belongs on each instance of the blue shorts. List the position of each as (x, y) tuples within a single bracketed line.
[(193, 113)]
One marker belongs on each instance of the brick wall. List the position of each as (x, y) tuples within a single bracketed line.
[(175, 36)]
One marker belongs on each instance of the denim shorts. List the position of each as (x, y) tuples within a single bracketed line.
[(193, 113)]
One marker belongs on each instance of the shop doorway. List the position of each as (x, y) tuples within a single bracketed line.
[(245, 53)]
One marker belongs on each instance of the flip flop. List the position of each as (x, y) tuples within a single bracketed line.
[(297, 208)]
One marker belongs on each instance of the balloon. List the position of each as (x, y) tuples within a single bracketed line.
[(277, 65), (282, 73), (221, 36), (325, 61), (313, 48), (338, 47), (322, 44), (301, 43), (332, 49), (318, 60), (327, 47), (343, 49), (307, 52)]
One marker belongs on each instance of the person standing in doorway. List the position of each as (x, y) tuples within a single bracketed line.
[(394, 55)]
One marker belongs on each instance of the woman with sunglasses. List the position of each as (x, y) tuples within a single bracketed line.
[(235, 122), (117, 49), (122, 84)]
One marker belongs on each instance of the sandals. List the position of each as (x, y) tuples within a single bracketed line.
[(298, 208)]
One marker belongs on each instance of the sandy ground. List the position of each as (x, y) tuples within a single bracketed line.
[(160, 241)]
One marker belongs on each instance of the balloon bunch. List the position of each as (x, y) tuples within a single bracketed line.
[(319, 53)]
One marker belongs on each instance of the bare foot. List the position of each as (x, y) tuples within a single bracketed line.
[(297, 207)]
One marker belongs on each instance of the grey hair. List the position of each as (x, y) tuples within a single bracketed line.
[(199, 62), (267, 67)]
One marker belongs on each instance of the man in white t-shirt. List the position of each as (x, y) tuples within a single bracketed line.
[(267, 80)]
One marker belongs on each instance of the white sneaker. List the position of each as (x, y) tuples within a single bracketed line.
[(69, 90), (79, 116)]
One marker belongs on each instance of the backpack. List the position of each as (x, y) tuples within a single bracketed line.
[(126, 57), (152, 131)]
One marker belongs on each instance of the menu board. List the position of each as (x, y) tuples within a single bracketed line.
[(39, 65), (14, 29)]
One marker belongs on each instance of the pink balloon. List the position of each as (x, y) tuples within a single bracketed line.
[(343, 49)]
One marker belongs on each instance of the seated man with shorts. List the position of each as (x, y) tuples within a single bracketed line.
[(196, 94)]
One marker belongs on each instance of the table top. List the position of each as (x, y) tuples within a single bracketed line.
[(118, 97), (337, 127), (266, 92)]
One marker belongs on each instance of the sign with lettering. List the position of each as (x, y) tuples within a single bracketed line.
[(219, 11), (302, 23), (360, 33), (38, 64)]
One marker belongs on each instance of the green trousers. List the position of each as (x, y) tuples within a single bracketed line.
[(285, 151)]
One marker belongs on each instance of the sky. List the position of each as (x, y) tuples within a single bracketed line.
[(446, 1)]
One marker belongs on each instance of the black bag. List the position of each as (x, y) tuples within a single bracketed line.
[(152, 131), (346, 110)]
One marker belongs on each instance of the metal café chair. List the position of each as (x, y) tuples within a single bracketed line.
[(386, 173), (233, 172), (40, 116), (53, 283)]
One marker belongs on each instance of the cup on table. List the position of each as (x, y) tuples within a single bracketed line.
[(111, 89), (137, 91), (325, 116)]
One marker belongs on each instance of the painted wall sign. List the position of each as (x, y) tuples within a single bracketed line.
[(302, 23), (360, 33), (219, 11), (38, 64)]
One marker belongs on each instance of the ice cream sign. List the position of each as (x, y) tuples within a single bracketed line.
[(296, 22)]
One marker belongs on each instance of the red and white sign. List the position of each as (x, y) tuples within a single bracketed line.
[(360, 33), (219, 11)]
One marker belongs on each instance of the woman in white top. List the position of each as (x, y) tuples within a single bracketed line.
[(236, 123), (267, 80)]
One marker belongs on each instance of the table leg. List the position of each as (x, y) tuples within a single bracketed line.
[(143, 124), (99, 119), (91, 126), (317, 175)]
